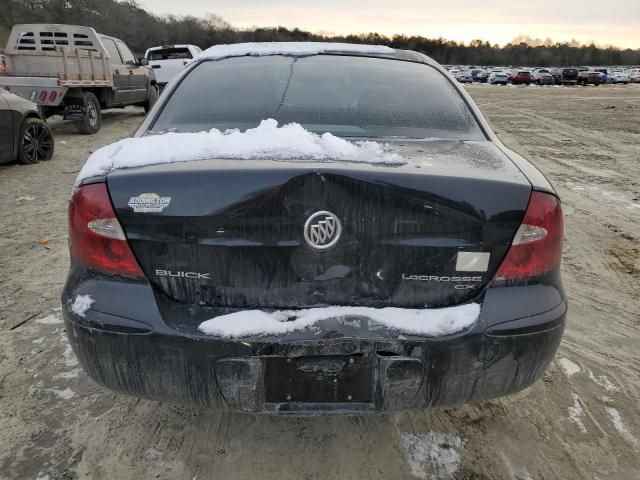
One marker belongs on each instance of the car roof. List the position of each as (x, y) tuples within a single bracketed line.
[(218, 52), (177, 45)]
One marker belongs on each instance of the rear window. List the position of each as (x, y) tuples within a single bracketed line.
[(112, 50), (170, 54), (343, 95)]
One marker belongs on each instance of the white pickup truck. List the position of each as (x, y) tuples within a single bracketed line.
[(167, 60), (73, 71)]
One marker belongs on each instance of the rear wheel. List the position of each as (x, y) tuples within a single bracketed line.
[(152, 98), (92, 119), (36, 142)]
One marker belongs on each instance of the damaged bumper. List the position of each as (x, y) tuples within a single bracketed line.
[(347, 365)]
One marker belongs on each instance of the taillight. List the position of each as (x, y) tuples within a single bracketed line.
[(537, 245), (96, 238)]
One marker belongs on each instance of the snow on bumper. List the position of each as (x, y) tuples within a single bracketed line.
[(431, 322)]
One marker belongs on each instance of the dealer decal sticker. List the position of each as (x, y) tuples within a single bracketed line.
[(149, 203)]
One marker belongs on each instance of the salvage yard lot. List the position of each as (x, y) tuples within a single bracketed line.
[(581, 421)]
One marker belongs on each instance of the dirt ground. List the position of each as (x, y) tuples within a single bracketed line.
[(582, 421)]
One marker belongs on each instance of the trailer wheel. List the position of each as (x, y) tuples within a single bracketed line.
[(152, 98), (92, 116)]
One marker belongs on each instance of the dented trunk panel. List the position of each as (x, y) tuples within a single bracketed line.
[(230, 233)]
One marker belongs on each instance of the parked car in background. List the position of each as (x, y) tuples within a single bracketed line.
[(75, 72), (498, 78), (24, 134), (259, 282), (475, 73), (520, 77), (590, 77), (618, 78), (167, 60), (542, 76), (604, 72), (483, 76), (634, 75), (465, 77), (565, 75)]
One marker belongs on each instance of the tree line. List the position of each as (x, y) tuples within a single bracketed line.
[(140, 29)]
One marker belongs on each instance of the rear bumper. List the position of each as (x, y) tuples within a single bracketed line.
[(347, 366), (225, 374)]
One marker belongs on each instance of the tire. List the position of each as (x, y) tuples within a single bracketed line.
[(152, 98), (92, 120), (35, 143)]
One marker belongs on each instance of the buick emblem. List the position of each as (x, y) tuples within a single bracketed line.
[(322, 230)]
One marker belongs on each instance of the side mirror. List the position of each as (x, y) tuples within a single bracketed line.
[(143, 61)]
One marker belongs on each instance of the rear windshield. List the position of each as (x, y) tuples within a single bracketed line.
[(343, 95), (169, 54)]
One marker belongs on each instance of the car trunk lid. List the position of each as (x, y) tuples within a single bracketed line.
[(231, 233)]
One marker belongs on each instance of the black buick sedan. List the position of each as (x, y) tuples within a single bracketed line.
[(405, 259)]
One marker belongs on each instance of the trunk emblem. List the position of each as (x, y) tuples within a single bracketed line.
[(322, 230), (149, 202)]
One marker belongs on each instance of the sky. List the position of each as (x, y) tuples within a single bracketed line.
[(606, 22)]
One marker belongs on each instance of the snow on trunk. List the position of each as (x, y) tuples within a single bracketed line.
[(266, 141)]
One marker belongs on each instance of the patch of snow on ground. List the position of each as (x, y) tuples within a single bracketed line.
[(66, 394), (266, 141), (618, 424), (70, 359), (615, 199), (433, 455), (441, 321), (82, 304), (38, 341), (296, 49), (152, 455), (602, 381), (576, 411), (569, 367), (67, 375), (49, 320)]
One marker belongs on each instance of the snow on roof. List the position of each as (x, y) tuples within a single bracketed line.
[(266, 141), (430, 322), (298, 49)]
